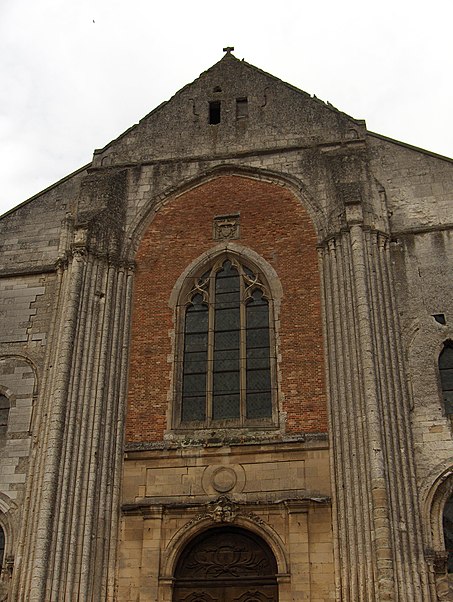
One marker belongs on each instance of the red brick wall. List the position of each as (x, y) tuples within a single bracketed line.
[(274, 224)]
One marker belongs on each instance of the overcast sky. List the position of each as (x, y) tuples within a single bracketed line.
[(75, 74)]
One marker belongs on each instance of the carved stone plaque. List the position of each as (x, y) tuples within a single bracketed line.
[(226, 227)]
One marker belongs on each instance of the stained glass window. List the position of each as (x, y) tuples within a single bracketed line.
[(226, 359)]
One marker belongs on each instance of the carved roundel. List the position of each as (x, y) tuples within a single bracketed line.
[(224, 479), (219, 478)]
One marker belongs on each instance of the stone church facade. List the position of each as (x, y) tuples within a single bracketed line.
[(226, 361)]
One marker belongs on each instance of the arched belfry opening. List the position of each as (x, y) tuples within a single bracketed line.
[(226, 564)]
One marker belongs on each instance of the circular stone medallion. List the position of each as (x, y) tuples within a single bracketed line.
[(224, 479)]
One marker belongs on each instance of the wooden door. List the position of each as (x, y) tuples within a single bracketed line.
[(226, 565)]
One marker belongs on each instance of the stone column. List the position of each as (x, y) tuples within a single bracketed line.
[(68, 543), (376, 519)]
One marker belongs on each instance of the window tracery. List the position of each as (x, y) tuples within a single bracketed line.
[(226, 361)]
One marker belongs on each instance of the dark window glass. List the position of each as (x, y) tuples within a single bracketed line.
[(194, 408), (446, 376), (259, 405), (4, 414), (226, 407), (226, 340), (195, 361), (448, 532), (214, 112), (227, 327), (226, 373), (259, 394)]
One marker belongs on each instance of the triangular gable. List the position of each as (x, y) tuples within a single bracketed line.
[(276, 115)]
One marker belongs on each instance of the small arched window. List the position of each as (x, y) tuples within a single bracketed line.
[(448, 532), (4, 414), (446, 376), (226, 361)]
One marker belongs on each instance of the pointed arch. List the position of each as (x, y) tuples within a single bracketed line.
[(7, 508), (436, 494), (225, 346), (146, 215)]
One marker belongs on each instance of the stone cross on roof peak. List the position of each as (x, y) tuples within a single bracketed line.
[(228, 49)]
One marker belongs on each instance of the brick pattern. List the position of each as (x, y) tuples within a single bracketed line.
[(276, 226)]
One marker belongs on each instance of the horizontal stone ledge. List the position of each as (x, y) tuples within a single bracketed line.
[(180, 442), (155, 507)]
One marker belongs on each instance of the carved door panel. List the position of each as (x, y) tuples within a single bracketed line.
[(227, 594), (253, 594), (197, 595), (226, 565)]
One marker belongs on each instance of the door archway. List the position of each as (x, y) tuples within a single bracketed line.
[(226, 564)]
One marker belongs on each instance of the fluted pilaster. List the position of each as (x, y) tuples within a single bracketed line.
[(71, 517), (378, 549)]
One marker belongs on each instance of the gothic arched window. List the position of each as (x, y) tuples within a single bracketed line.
[(448, 532), (446, 376), (226, 361)]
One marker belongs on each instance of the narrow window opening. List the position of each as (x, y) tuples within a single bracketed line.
[(242, 108), (4, 413), (447, 521), (446, 376), (214, 112)]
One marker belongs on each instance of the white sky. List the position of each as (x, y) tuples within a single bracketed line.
[(69, 85)]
